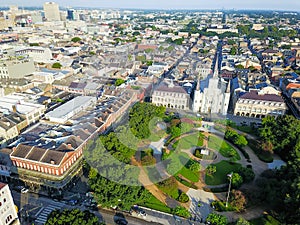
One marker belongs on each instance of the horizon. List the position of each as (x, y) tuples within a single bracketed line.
[(267, 5)]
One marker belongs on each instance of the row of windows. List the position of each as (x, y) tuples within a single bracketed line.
[(260, 110), (8, 219), (261, 103), (171, 106), (31, 50), (49, 170), (159, 93), (172, 100)]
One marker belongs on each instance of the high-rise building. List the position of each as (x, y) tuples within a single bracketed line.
[(70, 14), (51, 10), (8, 211)]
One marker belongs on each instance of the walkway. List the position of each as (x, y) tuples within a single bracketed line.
[(152, 188)]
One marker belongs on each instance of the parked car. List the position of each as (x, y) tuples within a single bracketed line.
[(121, 222), (24, 190)]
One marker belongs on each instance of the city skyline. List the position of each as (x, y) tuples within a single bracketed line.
[(289, 5)]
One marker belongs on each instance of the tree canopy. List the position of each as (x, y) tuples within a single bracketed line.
[(72, 217), (140, 116), (56, 65), (216, 219), (76, 39), (280, 189)]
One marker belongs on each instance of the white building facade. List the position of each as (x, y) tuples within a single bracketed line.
[(51, 10), (8, 212), (212, 95)]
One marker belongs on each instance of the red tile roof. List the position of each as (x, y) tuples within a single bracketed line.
[(2, 185), (253, 95)]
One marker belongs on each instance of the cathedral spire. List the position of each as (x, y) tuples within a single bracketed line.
[(216, 69), (198, 83)]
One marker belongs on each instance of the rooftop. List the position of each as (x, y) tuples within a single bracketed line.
[(253, 95)]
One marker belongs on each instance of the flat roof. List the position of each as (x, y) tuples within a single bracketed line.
[(68, 107)]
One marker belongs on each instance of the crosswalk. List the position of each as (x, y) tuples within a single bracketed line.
[(43, 214)]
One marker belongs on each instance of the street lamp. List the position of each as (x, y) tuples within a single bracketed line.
[(230, 177)]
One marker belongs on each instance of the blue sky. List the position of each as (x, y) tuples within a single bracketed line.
[(293, 5)]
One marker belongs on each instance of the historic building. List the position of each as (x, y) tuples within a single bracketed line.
[(8, 211), (171, 95), (212, 95), (50, 155), (16, 67), (259, 104)]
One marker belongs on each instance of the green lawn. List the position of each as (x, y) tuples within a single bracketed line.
[(223, 147), (223, 168), (267, 220), (188, 174), (190, 141), (157, 136), (171, 191), (154, 203), (248, 130)]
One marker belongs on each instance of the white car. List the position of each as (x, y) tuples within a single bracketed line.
[(24, 190)]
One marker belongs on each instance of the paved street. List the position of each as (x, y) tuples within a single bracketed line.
[(40, 207), (169, 219), (205, 199)]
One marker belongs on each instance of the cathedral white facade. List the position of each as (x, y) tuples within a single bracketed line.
[(212, 95)]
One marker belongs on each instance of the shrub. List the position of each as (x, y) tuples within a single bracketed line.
[(56, 65), (216, 219), (211, 169), (238, 200), (181, 211), (76, 39), (236, 180), (183, 197), (148, 160), (186, 183), (247, 174), (194, 166), (197, 153)]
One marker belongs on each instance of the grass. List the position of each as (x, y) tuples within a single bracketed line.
[(262, 155), (154, 203), (190, 141), (171, 190), (156, 136), (223, 147), (223, 168), (266, 220), (186, 183), (247, 129), (220, 206), (188, 174)]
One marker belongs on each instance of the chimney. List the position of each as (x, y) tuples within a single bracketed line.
[(14, 108), (69, 146), (52, 161)]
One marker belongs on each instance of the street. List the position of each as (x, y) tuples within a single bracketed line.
[(39, 207)]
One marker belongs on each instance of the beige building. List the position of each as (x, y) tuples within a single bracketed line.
[(8, 212), (171, 95), (38, 54), (16, 67), (31, 112), (259, 105), (51, 10)]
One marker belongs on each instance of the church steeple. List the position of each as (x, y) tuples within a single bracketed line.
[(216, 69), (198, 83)]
